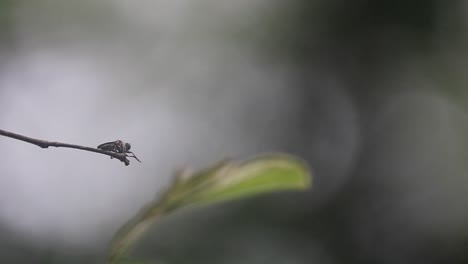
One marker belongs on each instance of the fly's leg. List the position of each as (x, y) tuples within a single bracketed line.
[(133, 156)]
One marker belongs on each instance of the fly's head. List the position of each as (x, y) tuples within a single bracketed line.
[(127, 147)]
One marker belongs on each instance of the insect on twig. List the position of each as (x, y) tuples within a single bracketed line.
[(117, 149), (118, 146)]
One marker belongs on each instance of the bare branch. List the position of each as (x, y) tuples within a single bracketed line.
[(45, 144)]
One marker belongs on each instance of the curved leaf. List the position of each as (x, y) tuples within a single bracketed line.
[(225, 180)]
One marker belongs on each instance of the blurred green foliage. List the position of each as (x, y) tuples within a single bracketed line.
[(226, 180)]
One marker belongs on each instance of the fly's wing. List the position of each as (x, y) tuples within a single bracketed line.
[(109, 146)]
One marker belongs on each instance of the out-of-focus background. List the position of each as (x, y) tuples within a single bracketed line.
[(371, 93)]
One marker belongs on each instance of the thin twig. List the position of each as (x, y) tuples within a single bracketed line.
[(45, 144)]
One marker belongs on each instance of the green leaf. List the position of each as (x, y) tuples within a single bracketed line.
[(226, 180)]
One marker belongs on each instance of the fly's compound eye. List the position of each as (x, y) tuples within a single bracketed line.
[(127, 147)]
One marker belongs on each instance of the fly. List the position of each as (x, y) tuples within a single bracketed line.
[(118, 146)]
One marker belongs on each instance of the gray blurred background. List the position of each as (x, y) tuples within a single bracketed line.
[(371, 93)]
